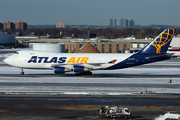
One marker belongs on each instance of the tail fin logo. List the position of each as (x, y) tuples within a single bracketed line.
[(163, 39)]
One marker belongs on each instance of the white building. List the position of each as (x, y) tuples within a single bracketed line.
[(48, 47)]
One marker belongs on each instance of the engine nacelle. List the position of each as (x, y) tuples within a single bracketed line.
[(59, 70), (79, 69)]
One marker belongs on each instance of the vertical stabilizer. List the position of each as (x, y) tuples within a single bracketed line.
[(160, 44)]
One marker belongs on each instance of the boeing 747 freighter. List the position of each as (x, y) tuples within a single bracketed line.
[(84, 63)]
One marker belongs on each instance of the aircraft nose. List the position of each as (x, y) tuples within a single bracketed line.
[(7, 60), (12, 60)]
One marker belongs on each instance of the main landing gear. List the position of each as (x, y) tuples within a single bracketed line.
[(84, 73), (22, 71)]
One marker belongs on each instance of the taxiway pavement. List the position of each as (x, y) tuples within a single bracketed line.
[(68, 107), (15, 106)]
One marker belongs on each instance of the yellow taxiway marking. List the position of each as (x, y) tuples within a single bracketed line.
[(152, 106), (4, 110), (149, 107), (4, 117), (79, 107)]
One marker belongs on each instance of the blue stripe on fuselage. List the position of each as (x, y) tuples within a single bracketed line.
[(136, 59)]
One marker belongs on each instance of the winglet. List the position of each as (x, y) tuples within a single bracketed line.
[(161, 43)]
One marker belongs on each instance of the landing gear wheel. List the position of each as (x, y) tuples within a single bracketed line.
[(22, 72), (87, 73), (84, 73), (78, 74), (90, 73)]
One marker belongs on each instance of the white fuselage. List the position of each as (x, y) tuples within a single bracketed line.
[(48, 60)]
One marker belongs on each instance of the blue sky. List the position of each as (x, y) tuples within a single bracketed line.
[(91, 12)]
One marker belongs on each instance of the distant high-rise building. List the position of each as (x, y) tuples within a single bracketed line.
[(124, 23), (131, 23), (114, 22), (121, 22), (13, 25), (60, 25), (110, 23)]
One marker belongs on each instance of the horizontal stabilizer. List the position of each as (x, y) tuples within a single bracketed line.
[(160, 56)]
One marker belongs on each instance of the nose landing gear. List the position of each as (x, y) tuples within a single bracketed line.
[(22, 71)]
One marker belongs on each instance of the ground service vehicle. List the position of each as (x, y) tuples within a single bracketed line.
[(169, 116), (115, 112)]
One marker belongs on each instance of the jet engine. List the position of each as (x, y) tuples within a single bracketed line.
[(80, 69), (61, 70)]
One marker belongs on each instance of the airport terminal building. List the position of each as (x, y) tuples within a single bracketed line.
[(103, 46)]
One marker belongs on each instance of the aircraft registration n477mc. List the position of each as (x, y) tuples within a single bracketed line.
[(84, 63)]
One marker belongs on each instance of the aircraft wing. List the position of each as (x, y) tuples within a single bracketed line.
[(59, 65), (87, 65)]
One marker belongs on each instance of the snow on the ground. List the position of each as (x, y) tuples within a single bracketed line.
[(17, 49), (94, 90), (130, 71), (87, 90), (90, 80)]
